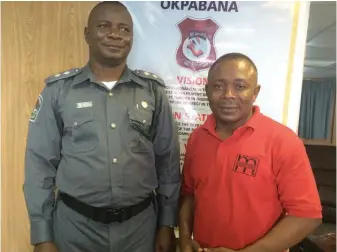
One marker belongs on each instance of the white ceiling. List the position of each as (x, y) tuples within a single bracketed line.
[(320, 58)]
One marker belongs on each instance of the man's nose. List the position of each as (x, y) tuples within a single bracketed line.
[(228, 93), (114, 33)]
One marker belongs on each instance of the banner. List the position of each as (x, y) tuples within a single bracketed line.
[(179, 41)]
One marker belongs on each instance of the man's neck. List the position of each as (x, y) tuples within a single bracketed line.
[(226, 129), (107, 72)]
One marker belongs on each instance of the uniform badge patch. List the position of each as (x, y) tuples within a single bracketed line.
[(84, 104), (36, 109)]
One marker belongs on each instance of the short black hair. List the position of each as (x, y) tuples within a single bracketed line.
[(110, 2), (234, 56), (116, 3)]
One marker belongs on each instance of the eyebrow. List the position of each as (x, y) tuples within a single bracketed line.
[(236, 79), (107, 21), (125, 24), (240, 79)]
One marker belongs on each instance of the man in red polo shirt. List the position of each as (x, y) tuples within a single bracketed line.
[(247, 181)]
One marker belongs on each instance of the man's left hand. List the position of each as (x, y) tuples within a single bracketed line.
[(219, 250), (165, 240)]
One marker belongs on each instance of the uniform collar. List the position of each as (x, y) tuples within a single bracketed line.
[(127, 76), (252, 122)]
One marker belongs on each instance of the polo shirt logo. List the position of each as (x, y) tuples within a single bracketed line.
[(246, 165)]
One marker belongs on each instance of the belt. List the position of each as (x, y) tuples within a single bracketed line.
[(105, 214)]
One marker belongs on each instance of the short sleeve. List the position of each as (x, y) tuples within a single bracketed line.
[(296, 183), (187, 180)]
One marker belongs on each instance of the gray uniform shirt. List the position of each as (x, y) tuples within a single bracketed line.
[(81, 140)]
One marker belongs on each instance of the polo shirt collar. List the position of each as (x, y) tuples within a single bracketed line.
[(252, 122), (127, 76)]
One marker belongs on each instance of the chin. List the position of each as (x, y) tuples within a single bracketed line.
[(229, 118), (114, 54), (113, 59)]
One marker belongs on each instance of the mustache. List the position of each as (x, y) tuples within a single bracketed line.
[(120, 43), (228, 105)]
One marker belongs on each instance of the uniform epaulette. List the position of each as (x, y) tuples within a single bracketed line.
[(63, 75), (148, 75)]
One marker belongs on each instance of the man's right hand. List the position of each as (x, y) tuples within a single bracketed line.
[(189, 245), (46, 247)]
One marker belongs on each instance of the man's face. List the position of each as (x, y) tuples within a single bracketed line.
[(110, 32), (232, 89)]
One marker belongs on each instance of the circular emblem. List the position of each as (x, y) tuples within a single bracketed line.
[(196, 48)]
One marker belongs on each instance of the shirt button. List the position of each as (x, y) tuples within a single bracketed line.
[(114, 160), (111, 94), (113, 125)]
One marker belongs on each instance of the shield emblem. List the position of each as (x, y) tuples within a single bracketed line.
[(36, 109), (196, 50)]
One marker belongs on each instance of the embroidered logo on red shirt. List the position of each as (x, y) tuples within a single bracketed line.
[(246, 165)]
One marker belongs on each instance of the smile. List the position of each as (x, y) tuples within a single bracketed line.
[(114, 46), (225, 107), (229, 110)]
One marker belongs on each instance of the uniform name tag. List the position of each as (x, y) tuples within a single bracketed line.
[(84, 104)]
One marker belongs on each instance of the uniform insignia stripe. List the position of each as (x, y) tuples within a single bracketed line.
[(151, 76), (63, 75), (36, 109)]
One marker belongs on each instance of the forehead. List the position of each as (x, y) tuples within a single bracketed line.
[(112, 13), (233, 68)]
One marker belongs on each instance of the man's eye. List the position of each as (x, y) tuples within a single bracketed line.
[(240, 86), (124, 29), (103, 25)]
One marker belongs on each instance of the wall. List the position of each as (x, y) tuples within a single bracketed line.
[(38, 39), (323, 162)]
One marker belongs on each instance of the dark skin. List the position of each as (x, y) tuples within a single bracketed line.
[(289, 231), (232, 89), (186, 217), (109, 35)]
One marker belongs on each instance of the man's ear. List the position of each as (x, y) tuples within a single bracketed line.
[(86, 34), (256, 91)]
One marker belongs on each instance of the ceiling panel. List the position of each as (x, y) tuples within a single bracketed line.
[(318, 73), (325, 53), (322, 15), (320, 58), (318, 63), (324, 39), (332, 28)]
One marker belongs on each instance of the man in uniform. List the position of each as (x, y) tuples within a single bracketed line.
[(105, 138), (247, 181)]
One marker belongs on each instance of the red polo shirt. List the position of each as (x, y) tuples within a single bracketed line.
[(243, 185)]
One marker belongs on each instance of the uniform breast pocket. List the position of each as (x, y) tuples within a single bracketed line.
[(80, 132), (140, 121)]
